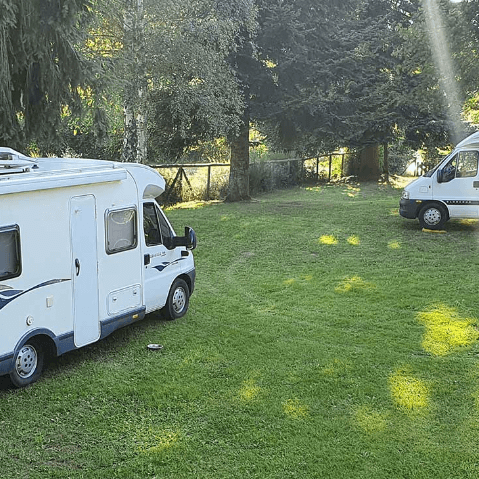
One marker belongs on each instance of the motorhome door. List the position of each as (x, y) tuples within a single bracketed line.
[(161, 264), (83, 230)]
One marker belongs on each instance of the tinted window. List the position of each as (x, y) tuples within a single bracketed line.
[(467, 164), (150, 225), (155, 225), (10, 263)]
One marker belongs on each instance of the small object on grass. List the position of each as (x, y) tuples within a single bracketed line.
[(425, 230), (155, 347)]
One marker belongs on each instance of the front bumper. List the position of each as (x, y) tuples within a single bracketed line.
[(408, 208)]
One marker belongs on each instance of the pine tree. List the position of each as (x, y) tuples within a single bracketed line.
[(41, 69)]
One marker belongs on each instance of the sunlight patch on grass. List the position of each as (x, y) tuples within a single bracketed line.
[(336, 367), (191, 205), (394, 244), (302, 279), (369, 420), (354, 240), (293, 408), (354, 283), (408, 392), (468, 221), (153, 442), (394, 212), (328, 239), (446, 331), (249, 390), (352, 191)]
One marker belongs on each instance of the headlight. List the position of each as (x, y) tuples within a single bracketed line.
[(405, 195)]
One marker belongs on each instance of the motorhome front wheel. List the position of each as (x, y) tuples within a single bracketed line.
[(432, 216), (178, 300), (28, 364)]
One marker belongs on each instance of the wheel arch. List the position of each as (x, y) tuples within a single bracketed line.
[(188, 280), (431, 203), (43, 336)]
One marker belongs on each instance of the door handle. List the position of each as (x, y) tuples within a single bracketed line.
[(77, 266)]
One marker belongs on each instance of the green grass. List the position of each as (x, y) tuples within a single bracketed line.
[(327, 338)]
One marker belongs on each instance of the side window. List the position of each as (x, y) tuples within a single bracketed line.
[(155, 226), (449, 171), (121, 230), (10, 262), (150, 225), (467, 164), (164, 226)]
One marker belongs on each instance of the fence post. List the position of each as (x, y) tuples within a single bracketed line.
[(208, 183), (330, 166), (317, 168)]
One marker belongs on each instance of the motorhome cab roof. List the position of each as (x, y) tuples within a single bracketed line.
[(19, 173), (85, 249)]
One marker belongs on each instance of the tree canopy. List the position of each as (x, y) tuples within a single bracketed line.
[(154, 79), (41, 70)]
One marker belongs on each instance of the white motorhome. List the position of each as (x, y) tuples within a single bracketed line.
[(84, 249), (450, 190)]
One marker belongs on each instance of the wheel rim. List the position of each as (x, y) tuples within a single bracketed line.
[(432, 216), (179, 300), (26, 361)]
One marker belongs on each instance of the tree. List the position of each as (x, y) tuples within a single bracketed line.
[(41, 67), (135, 81), (194, 94), (336, 75)]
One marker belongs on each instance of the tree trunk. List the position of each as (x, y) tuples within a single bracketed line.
[(135, 119), (238, 189), (386, 162), (369, 163), (129, 134)]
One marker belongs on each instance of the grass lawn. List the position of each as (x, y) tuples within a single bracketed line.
[(327, 338)]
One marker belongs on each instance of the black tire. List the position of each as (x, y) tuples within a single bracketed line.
[(433, 216), (28, 364), (178, 300)]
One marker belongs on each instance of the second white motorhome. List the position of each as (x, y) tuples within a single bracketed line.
[(450, 190), (84, 249)]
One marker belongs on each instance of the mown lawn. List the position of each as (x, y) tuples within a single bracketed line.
[(327, 338)]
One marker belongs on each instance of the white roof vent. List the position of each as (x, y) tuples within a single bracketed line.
[(12, 161)]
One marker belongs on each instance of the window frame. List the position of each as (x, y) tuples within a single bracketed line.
[(18, 251), (134, 245)]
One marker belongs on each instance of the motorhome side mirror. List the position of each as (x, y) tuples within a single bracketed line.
[(439, 176), (189, 240), (191, 237)]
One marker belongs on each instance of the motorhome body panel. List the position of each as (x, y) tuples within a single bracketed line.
[(48, 261)]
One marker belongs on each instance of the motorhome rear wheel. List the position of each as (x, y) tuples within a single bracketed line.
[(28, 364)]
